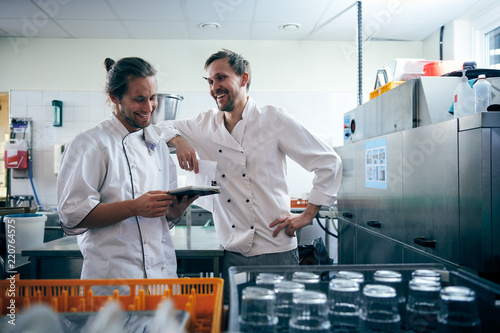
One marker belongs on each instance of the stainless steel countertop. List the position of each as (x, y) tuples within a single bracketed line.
[(188, 243)]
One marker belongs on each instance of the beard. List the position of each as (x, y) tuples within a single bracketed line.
[(132, 122), (229, 106)]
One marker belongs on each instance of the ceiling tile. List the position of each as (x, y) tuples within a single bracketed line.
[(402, 33), (219, 11), (94, 29), (88, 9), (148, 9), (18, 9), (240, 19), (289, 10), (227, 30), (157, 29), (39, 28), (268, 30)]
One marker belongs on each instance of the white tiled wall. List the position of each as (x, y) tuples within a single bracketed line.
[(320, 112), (81, 110)]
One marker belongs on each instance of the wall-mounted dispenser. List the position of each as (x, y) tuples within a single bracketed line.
[(16, 154), (57, 110), (18, 147)]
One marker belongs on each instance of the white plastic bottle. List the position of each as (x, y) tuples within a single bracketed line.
[(463, 98), (482, 94)]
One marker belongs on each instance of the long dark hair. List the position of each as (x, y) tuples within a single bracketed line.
[(120, 72)]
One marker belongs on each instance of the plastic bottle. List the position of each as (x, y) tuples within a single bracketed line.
[(482, 94), (463, 98)]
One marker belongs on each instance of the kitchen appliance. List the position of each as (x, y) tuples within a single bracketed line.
[(419, 186), (21, 133), (168, 107)]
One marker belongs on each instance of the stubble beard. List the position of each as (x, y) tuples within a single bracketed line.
[(131, 121), (229, 105)]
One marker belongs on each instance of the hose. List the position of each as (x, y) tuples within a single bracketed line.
[(32, 184), (324, 228)]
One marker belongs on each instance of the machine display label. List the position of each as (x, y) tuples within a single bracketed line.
[(376, 163)]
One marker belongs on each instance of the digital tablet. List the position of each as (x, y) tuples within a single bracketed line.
[(191, 191)]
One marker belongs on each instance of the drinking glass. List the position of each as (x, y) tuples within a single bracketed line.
[(344, 297), (395, 280), (379, 309), (309, 313), (351, 275), (458, 312), (392, 279), (309, 279), (284, 302), (268, 280), (422, 305), (257, 310), (426, 274)]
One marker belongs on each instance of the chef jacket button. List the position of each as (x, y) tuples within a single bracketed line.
[(228, 200), (248, 200), (163, 240), (233, 226), (220, 150), (243, 175), (251, 227), (162, 268), (223, 175)]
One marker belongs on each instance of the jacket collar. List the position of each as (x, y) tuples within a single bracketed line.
[(222, 136), (149, 135)]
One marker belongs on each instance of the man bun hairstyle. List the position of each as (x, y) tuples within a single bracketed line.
[(120, 72), (108, 63), (239, 64)]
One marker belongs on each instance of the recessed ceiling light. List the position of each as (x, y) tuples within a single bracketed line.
[(290, 26), (209, 25)]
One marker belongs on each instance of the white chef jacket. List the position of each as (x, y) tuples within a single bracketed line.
[(108, 164), (251, 171)]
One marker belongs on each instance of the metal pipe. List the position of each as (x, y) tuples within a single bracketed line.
[(441, 43)]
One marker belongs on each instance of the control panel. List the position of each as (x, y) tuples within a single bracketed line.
[(349, 126)]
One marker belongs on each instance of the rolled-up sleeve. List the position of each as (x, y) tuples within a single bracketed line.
[(81, 174), (167, 130)]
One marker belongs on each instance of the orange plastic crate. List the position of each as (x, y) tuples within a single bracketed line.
[(385, 88), (201, 297), (298, 203)]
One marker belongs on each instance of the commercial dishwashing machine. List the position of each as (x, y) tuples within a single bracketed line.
[(419, 186)]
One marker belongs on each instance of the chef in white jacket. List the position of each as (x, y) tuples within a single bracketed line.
[(250, 145), (113, 182)]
